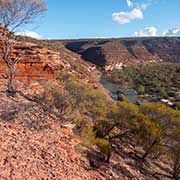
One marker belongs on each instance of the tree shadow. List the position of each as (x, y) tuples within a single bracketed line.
[(131, 162)]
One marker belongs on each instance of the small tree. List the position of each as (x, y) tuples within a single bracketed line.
[(174, 149), (123, 119), (140, 89), (14, 14), (149, 134)]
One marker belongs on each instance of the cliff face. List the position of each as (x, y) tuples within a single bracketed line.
[(35, 63), (116, 53), (42, 60)]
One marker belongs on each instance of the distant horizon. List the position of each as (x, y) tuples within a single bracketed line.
[(130, 37), (104, 38)]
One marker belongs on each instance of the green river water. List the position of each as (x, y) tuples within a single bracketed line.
[(130, 94)]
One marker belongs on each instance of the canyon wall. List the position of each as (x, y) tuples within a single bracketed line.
[(116, 53)]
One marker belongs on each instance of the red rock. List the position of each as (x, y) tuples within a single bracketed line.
[(38, 62), (117, 53)]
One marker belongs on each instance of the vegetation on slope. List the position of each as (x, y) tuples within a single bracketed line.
[(102, 124)]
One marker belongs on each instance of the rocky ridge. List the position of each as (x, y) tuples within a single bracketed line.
[(117, 53), (39, 61)]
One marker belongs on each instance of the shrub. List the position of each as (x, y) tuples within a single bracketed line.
[(126, 111), (121, 97), (177, 105), (140, 89), (174, 151), (159, 111), (56, 99), (104, 147), (99, 119), (88, 136), (163, 93), (149, 135), (177, 97), (62, 101)]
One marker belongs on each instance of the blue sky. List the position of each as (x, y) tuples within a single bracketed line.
[(72, 19)]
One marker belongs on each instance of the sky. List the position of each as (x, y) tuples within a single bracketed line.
[(74, 19)]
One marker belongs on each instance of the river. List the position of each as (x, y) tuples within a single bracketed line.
[(130, 94)]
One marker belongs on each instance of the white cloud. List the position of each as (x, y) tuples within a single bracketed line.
[(143, 6), (126, 17), (148, 31), (29, 34), (101, 37), (136, 13), (129, 3), (173, 32)]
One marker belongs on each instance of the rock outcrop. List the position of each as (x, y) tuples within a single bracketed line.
[(35, 63), (41, 60), (116, 53)]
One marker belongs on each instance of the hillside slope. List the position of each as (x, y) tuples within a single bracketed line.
[(36, 143), (35, 146), (115, 53)]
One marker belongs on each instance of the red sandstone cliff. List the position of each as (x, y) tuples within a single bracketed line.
[(40, 61)]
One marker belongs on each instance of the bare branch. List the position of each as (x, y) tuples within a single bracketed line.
[(14, 14)]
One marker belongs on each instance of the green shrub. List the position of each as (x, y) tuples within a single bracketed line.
[(127, 110), (121, 97), (177, 97), (149, 135), (104, 147), (173, 152), (140, 89), (99, 119), (62, 101), (163, 93), (177, 105), (88, 136)]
